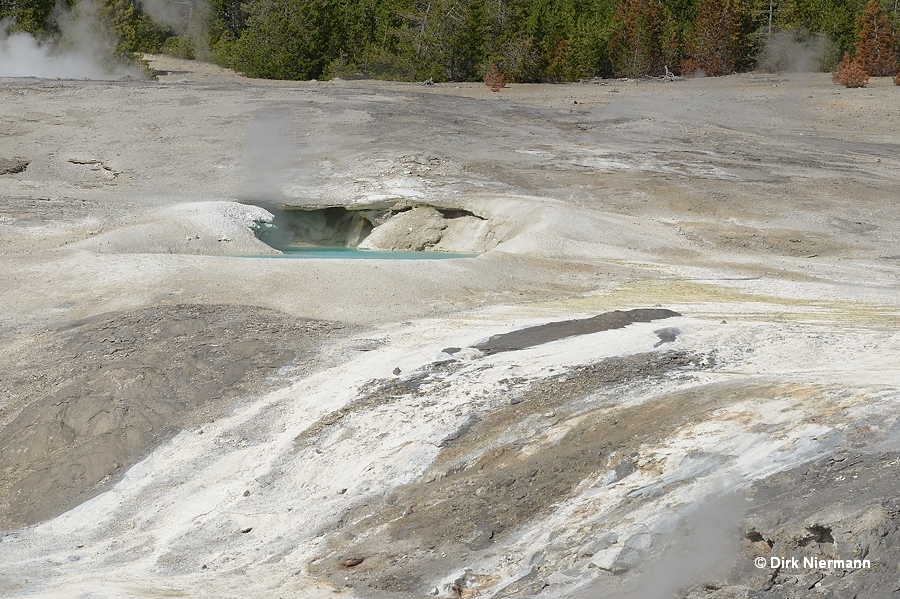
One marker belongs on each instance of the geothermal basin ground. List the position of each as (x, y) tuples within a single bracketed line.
[(661, 350)]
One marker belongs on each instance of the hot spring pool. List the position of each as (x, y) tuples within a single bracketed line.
[(349, 253)]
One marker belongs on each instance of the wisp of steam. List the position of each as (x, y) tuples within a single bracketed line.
[(788, 52), (85, 49), (269, 156)]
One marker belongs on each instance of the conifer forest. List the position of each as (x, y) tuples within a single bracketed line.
[(460, 40)]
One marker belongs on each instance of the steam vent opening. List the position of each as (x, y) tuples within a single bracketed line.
[(399, 231), (298, 229)]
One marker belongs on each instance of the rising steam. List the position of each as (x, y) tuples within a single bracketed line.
[(85, 49), (269, 156), (788, 52), (705, 543), (173, 13)]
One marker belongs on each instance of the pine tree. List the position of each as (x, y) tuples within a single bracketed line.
[(288, 39), (715, 43), (638, 43), (850, 73), (32, 16), (876, 42)]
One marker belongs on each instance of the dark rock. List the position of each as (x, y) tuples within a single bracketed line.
[(11, 166), (352, 561), (624, 469), (479, 537), (666, 335)]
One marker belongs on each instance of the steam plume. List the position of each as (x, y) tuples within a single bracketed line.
[(85, 49), (785, 51), (173, 13)]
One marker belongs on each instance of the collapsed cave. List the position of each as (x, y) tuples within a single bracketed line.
[(324, 227), (401, 226)]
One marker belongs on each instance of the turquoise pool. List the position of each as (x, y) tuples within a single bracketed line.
[(348, 253)]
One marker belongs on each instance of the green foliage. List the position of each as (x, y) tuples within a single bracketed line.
[(179, 46), (835, 18), (227, 19), (458, 40), (32, 16), (135, 31), (286, 39)]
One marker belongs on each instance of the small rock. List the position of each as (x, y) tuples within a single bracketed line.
[(350, 562), (641, 540), (624, 469), (247, 493), (601, 543), (11, 166), (478, 537), (246, 530), (606, 559), (397, 371)]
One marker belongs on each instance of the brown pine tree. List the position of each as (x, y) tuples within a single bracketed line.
[(876, 42), (494, 79), (850, 73), (715, 43), (638, 43)]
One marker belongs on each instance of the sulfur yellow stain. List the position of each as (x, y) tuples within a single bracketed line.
[(709, 300)]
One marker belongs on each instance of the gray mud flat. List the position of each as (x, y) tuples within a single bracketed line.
[(109, 389)]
